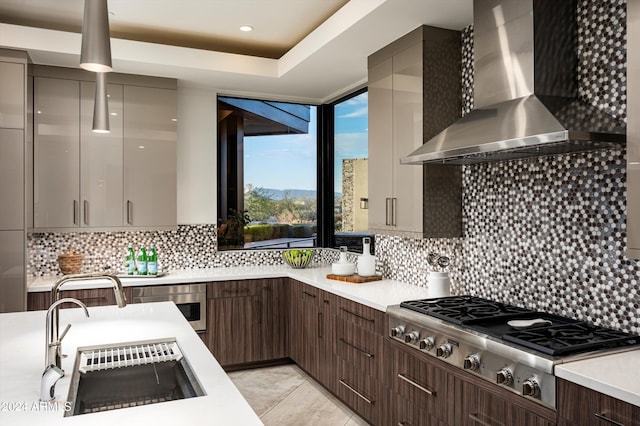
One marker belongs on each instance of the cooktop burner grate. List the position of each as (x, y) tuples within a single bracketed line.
[(463, 309), (570, 338)]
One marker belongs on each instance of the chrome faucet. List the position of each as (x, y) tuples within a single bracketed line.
[(53, 328), (53, 373)]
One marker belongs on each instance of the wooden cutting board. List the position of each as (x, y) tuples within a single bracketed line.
[(355, 278)]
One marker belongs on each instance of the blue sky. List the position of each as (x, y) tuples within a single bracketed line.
[(289, 161)]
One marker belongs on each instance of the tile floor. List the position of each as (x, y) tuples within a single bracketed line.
[(286, 396)]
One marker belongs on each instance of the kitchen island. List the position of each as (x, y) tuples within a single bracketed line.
[(22, 362)]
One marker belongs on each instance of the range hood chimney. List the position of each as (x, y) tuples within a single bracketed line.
[(525, 90)]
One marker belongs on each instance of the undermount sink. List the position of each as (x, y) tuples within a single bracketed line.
[(125, 375)]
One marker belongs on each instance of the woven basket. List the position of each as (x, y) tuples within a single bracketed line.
[(70, 262)]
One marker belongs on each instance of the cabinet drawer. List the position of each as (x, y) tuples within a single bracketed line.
[(239, 288), (408, 413), (360, 348), (359, 391), (578, 405), (425, 385), (361, 315)]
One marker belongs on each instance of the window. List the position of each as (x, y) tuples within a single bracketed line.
[(350, 166), (267, 174)]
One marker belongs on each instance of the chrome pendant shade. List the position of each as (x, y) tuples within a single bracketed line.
[(101, 106), (96, 40)]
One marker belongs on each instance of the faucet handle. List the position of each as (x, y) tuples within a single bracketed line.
[(64, 333)]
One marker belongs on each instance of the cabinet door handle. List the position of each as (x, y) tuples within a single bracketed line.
[(607, 419), (361, 396), (259, 306), (358, 315), (309, 294), (394, 208), (475, 418), (363, 352), (387, 210), (320, 324), (75, 212), (129, 212), (416, 385), (85, 213)]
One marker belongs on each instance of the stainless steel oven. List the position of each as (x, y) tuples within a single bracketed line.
[(191, 299)]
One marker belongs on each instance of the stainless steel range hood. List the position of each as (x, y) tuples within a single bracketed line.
[(525, 90)]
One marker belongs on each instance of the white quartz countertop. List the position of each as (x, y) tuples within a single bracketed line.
[(22, 362), (377, 294), (616, 375)]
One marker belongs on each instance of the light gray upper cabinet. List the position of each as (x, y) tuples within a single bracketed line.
[(13, 111), (101, 174), (93, 181), (150, 133), (12, 91), (381, 162), (56, 153), (11, 179), (414, 92), (633, 129)]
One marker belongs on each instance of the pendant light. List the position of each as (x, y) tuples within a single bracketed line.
[(95, 54), (101, 106)]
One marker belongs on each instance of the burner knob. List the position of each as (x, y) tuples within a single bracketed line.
[(397, 331), (411, 337), (504, 377), (530, 387), (472, 362), (443, 350), (427, 343)]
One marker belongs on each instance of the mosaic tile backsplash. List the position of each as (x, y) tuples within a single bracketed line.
[(546, 233), (190, 246)]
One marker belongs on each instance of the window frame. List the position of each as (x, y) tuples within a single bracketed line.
[(326, 169)]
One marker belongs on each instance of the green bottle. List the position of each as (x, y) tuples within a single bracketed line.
[(130, 260), (152, 261), (141, 261)]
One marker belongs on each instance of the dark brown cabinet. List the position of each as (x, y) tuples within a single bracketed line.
[(91, 297), (361, 355), (274, 324), (233, 320), (579, 406), (476, 404), (422, 392), (246, 321), (311, 332)]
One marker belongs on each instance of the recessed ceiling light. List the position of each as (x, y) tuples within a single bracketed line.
[(246, 28)]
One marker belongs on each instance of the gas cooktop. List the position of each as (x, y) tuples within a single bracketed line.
[(550, 334), (513, 347)]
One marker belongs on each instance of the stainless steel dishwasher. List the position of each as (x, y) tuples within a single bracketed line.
[(191, 299)]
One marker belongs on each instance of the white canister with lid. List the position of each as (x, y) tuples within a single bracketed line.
[(439, 284), (366, 262)]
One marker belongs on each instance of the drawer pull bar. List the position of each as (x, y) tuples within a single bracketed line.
[(309, 294), (607, 419), (361, 396), (477, 419), (358, 315), (365, 353), (414, 384), (235, 290)]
